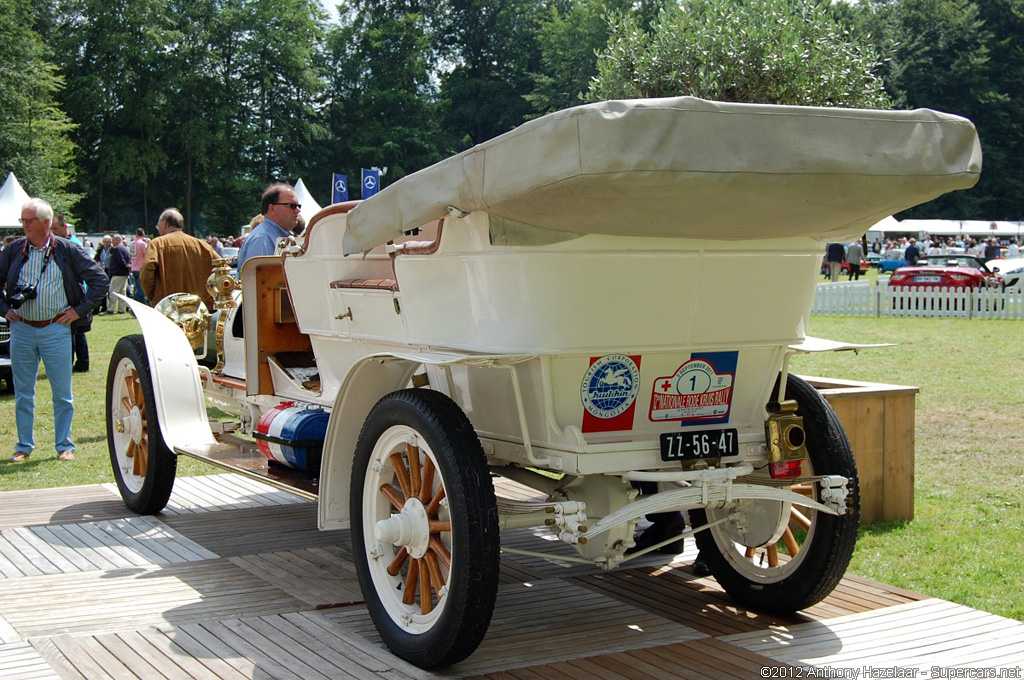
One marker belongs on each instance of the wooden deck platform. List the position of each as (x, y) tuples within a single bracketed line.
[(234, 581)]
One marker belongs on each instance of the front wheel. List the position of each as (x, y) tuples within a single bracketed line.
[(144, 467), (800, 554), (424, 528)]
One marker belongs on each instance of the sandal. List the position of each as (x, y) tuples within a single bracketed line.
[(66, 455), (19, 456)]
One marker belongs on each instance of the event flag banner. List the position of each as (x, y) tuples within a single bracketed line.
[(339, 188), (370, 183)]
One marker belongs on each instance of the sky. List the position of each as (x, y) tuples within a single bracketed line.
[(331, 7)]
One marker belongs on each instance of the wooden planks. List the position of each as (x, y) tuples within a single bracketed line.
[(20, 660), (125, 599), (549, 621), (674, 593), (239, 585), (59, 506), (221, 492), (242, 532), (919, 634), (107, 544), (321, 577)]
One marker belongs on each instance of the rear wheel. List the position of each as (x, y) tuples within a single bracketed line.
[(424, 528), (144, 467), (789, 557)]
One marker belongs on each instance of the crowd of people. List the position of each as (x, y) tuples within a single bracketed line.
[(850, 256), (982, 248), (52, 284)]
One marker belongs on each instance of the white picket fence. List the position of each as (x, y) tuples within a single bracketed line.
[(860, 298)]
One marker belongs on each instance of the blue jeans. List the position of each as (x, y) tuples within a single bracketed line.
[(52, 344), (137, 293)]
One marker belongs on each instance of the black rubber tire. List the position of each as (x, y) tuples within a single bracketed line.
[(472, 511), (161, 463), (826, 553)]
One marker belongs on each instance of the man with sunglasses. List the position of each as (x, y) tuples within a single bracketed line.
[(50, 288), (176, 262), (280, 209)]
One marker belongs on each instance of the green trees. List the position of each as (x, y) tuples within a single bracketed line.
[(380, 103), (135, 105), (34, 132), (964, 57), (771, 51)]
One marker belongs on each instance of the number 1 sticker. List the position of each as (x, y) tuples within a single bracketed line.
[(699, 391)]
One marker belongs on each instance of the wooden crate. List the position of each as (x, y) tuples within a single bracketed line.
[(879, 420)]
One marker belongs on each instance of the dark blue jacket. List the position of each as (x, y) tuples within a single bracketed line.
[(77, 268), (120, 261)]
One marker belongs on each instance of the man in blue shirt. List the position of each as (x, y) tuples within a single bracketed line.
[(280, 209), (50, 289)]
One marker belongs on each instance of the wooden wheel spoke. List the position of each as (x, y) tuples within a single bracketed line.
[(402, 473), (790, 540), (130, 452), (396, 564), (139, 462), (800, 519), (411, 581), (441, 551), (437, 526), (412, 452), (435, 502), (426, 596), (126, 405), (428, 480), (773, 556), (389, 492), (129, 386), (803, 490), (137, 391), (435, 572), (749, 553)]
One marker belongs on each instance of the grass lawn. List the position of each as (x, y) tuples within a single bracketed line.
[(88, 432), (965, 542)]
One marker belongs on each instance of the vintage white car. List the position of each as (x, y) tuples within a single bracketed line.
[(560, 307)]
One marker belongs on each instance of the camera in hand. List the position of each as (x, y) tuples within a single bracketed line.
[(20, 295)]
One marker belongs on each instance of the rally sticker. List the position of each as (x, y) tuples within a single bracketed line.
[(609, 390), (699, 390)]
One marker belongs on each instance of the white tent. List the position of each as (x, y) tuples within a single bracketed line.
[(309, 205), (888, 224), (975, 228), (12, 197)]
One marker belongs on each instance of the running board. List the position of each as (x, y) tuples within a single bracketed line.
[(242, 456)]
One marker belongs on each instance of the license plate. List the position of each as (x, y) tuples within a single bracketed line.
[(699, 444), (927, 279)]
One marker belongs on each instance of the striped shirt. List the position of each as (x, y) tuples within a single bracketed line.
[(51, 299)]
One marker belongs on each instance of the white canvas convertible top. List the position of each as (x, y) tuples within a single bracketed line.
[(686, 167)]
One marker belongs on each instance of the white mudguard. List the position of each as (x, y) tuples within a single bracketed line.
[(180, 404)]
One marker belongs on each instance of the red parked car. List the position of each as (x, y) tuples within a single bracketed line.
[(947, 271)]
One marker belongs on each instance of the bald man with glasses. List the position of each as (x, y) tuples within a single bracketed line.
[(280, 208)]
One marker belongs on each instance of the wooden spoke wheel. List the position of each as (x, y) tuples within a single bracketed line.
[(143, 466), (787, 557), (424, 528)]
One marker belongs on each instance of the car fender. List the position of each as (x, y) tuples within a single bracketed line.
[(180, 404), (369, 380)]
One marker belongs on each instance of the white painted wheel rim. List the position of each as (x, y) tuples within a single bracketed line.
[(387, 531)]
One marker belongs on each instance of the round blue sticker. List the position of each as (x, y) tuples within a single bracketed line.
[(610, 386)]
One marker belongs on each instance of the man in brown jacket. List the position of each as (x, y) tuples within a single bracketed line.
[(176, 262)]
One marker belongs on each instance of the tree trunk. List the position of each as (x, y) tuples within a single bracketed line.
[(99, 200), (189, 227)]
